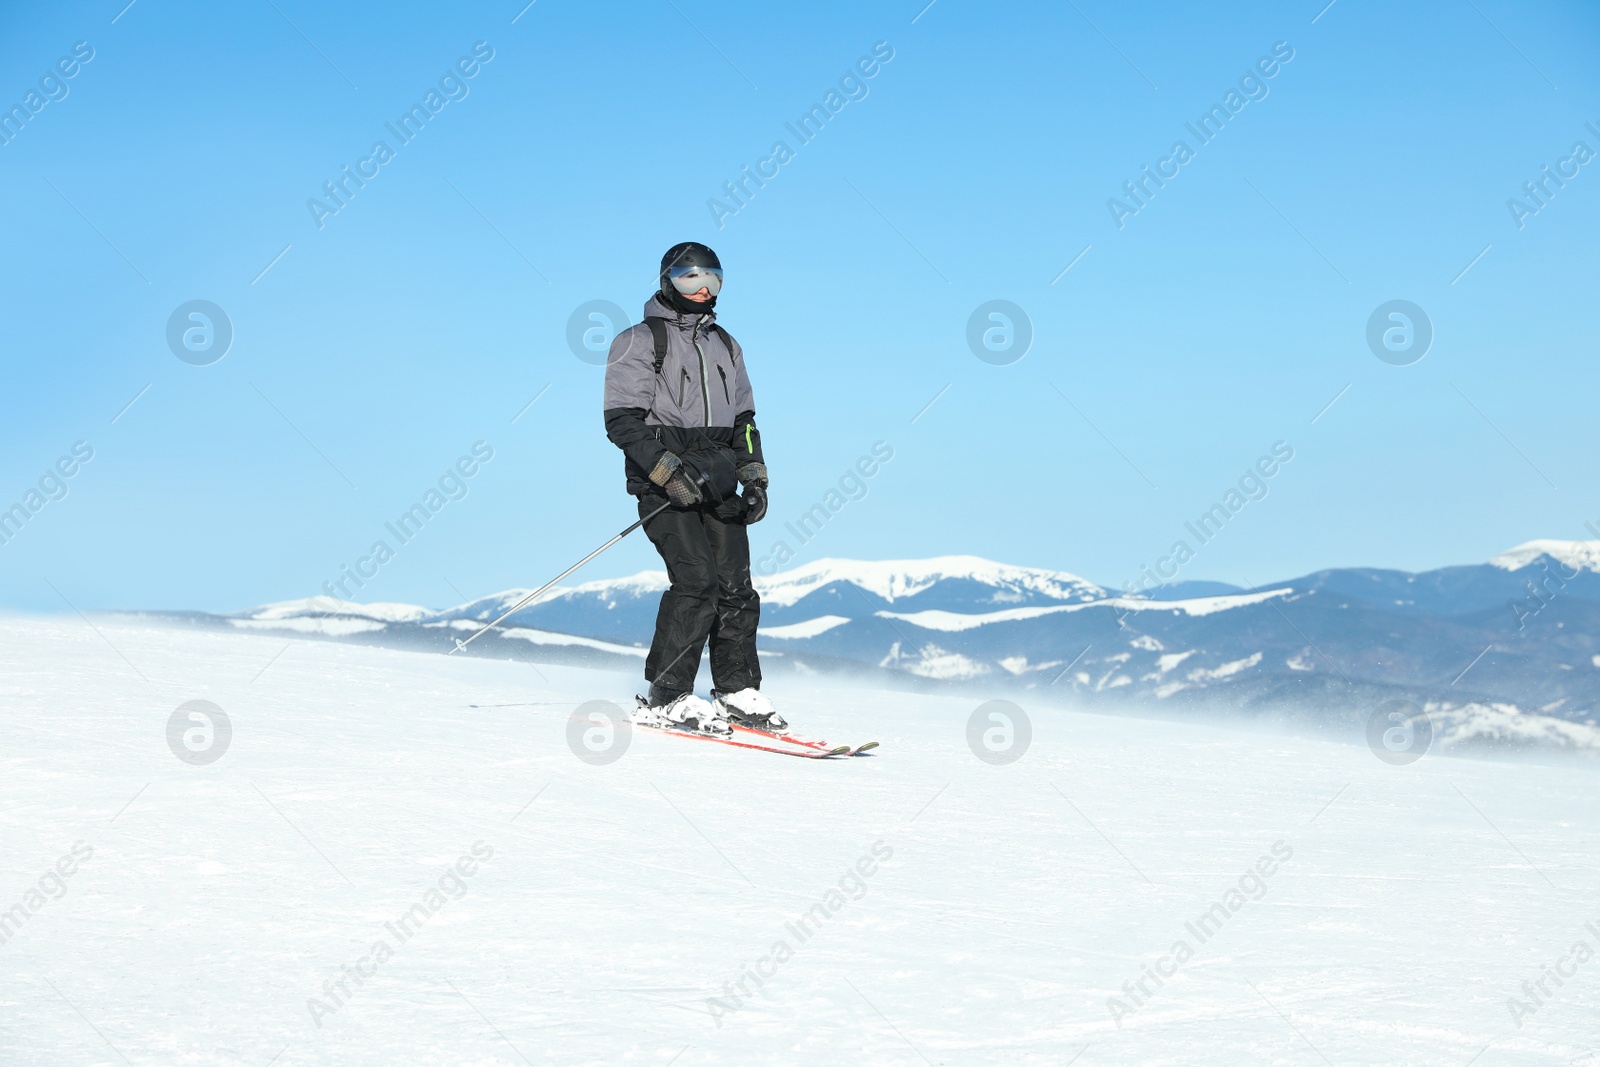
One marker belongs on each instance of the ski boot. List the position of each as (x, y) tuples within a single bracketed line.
[(748, 707), (682, 711)]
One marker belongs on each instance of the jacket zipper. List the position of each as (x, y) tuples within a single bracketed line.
[(724, 376), (705, 385), (683, 384)]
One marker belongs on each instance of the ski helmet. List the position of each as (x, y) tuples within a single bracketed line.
[(687, 268)]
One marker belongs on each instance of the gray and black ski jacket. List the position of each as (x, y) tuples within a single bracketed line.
[(701, 397)]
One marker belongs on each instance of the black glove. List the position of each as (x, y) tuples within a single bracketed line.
[(755, 503), (753, 476)]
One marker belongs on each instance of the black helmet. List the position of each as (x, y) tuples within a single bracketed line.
[(687, 268)]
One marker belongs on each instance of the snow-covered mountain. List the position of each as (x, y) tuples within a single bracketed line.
[(796, 604), (1517, 635)]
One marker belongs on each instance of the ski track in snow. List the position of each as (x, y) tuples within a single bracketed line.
[(619, 898)]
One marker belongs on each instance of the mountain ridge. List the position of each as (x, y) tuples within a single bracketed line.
[(1516, 635)]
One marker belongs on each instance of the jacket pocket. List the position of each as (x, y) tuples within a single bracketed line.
[(683, 384), (724, 376)]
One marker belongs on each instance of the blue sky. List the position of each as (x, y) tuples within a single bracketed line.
[(371, 353)]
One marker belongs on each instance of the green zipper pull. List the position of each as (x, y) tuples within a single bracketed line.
[(748, 447)]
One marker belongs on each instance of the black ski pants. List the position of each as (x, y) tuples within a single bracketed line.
[(707, 553)]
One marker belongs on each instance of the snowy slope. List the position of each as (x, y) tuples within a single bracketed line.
[(609, 906)]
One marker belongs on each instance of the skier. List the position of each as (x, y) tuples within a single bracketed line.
[(678, 403)]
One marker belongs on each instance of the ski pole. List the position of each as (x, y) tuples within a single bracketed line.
[(519, 605)]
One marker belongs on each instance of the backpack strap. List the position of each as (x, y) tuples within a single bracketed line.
[(727, 338), (658, 333)]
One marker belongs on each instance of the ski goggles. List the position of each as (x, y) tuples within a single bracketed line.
[(690, 280)]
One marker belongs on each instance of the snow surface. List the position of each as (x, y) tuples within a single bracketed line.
[(810, 628), (641, 584), (551, 637), (890, 579), (333, 626), (895, 579), (318, 606), (634, 585), (619, 899), (1172, 659), (1579, 555), (1202, 605), (956, 621)]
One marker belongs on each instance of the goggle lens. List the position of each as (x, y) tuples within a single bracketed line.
[(690, 280)]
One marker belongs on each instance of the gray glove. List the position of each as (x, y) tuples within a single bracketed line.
[(753, 474), (668, 474), (682, 492), (665, 468)]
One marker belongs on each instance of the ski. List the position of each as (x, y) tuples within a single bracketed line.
[(807, 742), (813, 751), (807, 753)]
